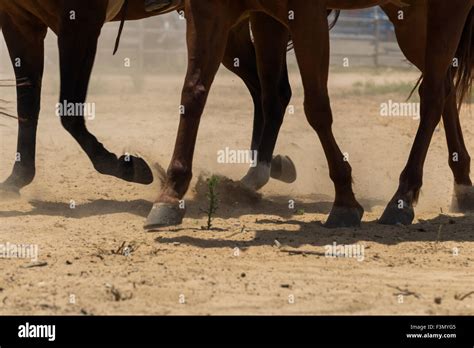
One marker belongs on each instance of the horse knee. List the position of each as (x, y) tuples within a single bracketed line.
[(194, 96)]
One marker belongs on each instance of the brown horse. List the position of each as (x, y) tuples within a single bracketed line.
[(411, 26), (446, 60), (448, 30), (78, 26)]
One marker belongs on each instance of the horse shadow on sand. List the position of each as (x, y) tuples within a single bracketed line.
[(279, 220)]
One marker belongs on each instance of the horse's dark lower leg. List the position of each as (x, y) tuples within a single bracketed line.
[(273, 76), (400, 209), (433, 92), (311, 42), (207, 36), (77, 48), (25, 41), (240, 58), (459, 159)]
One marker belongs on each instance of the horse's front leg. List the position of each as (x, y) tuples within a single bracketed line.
[(207, 31), (310, 35), (25, 41), (80, 27)]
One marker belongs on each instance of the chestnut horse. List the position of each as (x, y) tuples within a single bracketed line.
[(446, 59), (78, 25), (448, 28), (410, 21)]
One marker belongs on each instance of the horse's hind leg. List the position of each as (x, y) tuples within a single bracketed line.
[(25, 41), (273, 76), (459, 159), (433, 91), (241, 58), (310, 35), (207, 36), (77, 41)]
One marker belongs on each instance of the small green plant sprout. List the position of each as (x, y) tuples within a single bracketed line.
[(212, 198), (300, 212)]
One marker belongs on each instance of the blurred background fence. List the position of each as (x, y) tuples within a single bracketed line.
[(157, 45)]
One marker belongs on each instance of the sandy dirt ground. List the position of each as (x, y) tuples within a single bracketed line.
[(263, 257)]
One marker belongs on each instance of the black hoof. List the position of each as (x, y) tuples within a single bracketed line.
[(344, 217), (135, 169), (395, 214), (463, 199), (163, 215), (283, 169)]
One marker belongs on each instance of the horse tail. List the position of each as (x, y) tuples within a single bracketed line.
[(465, 56), (337, 14)]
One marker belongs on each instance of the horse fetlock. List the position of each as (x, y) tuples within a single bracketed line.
[(106, 165), (21, 176), (463, 199)]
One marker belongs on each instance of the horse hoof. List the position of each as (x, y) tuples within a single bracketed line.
[(344, 217), (8, 192), (257, 177), (136, 170), (394, 215), (163, 215), (283, 169), (463, 199)]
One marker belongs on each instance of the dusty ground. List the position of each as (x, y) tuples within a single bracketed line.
[(186, 270)]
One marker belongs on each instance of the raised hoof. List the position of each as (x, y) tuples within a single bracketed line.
[(283, 169), (163, 215), (135, 169), (257, 177), (394, 215), (344, 217), (463, 199), (8, 192)]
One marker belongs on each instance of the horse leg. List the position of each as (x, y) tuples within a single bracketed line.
[(433, 94), (310, 35), (206, 36), (77, 41), (459, 159), (25, 41), (240, 58), (273, 76)]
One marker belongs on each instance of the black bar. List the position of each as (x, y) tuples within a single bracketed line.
[(290, 331)]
